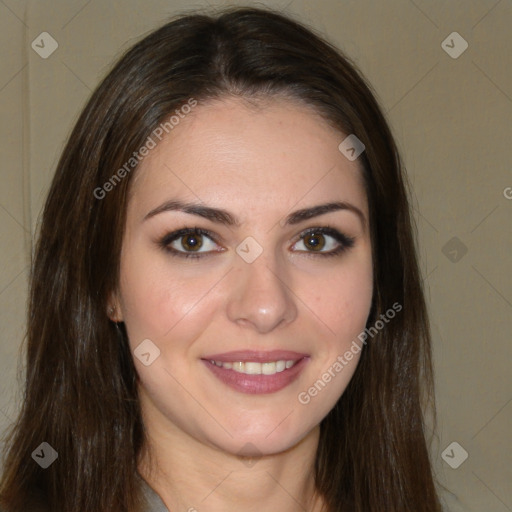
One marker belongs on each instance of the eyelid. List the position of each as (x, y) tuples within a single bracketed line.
[(345, 242), (174, 235), (167, 239)]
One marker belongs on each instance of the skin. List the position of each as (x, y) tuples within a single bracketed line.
[(260, 162)]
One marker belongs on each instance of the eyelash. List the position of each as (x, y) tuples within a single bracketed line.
[(346, 242)]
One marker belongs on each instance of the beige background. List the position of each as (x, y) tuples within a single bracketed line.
[(452, 119)]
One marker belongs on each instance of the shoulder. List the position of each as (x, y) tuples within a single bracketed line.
[(153, 502)]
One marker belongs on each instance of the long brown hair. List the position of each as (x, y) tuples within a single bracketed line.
[(80, 394)]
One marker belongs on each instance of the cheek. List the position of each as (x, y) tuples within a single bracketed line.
[(158, 300), (342, 302), (163, 299)]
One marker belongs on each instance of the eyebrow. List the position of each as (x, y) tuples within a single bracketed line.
[(224, 217)]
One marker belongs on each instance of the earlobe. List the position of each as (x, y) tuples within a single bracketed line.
[(110, 313), (114, 312)]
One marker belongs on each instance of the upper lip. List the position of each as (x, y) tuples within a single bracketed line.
[(257, 356)]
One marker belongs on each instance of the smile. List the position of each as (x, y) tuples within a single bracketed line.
[(255, 368), (257, 372)]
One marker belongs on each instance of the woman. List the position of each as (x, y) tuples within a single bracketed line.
[(226, 310)]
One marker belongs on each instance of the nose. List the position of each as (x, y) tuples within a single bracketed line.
[(260, 296)]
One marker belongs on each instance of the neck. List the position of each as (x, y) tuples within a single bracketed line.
[(190, 475)]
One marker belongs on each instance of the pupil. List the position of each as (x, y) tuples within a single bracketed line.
[(192, 242), (314, 243)]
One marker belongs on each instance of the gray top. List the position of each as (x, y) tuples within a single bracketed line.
[(153, 501)]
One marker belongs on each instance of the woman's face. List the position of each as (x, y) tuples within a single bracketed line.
[(238, 333)]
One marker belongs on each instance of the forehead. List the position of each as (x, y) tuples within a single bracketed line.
[(278, 151)]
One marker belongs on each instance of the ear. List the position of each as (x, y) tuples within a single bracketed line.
[(114, 311)]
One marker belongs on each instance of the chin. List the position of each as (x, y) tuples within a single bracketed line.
[(265, 441)]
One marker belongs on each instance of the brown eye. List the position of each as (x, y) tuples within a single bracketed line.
[(324, 241), (191, 241), (314, 241)]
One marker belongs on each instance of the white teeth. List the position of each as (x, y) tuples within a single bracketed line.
[(268, 368), (254, 368), (238, 367)]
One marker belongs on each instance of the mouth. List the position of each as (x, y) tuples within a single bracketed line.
[(255, 368), (256, 372)]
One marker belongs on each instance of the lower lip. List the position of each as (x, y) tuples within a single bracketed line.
[(257, 384)]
